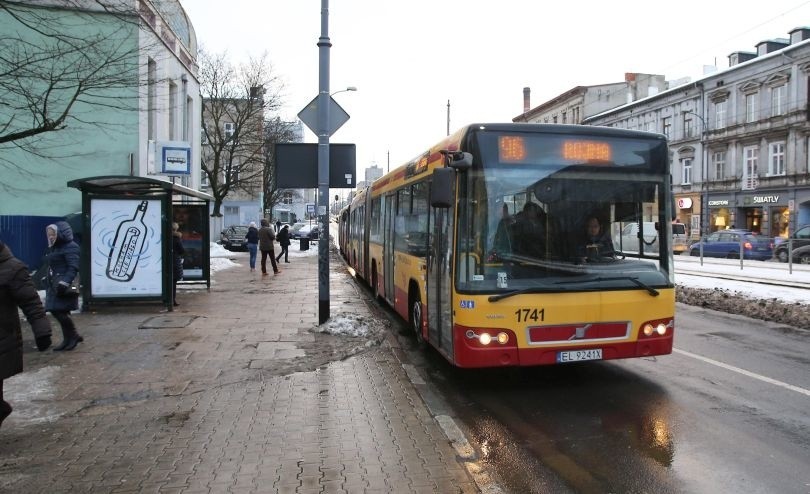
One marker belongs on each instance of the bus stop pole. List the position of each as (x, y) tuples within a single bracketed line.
[(323, 164)]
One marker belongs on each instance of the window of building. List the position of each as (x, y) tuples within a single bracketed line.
[(776, 158), (686, 166), (554, 119), (564, 117), (751, 107), (287, 198), (666, 126), (188, 117), (750, 164), (720, 114), (231, 210), (719, 165), (688, 126), (234, 174), (151, 98), (172, 111), (229, 128), (778, 99)]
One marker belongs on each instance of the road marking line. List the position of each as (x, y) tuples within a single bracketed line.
[(744, 372)]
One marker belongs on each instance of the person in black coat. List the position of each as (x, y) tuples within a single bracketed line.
[(17, 290), (63, 267), (178, 251), (283, 238)]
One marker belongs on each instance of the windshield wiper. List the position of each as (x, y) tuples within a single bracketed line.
[(636, 281), (534, 289)]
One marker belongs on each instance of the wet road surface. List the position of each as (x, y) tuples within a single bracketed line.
[(726, 412)]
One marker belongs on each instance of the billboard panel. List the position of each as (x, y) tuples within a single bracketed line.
[(126, 252)]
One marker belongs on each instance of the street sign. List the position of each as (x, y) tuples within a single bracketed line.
[(337, 116)]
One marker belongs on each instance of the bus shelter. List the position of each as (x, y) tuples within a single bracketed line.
[(126, 252)]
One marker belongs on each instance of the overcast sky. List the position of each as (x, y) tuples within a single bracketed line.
[(408, 58)]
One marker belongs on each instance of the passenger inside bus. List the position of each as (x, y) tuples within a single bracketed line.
[(596, 244), (502, 242), (529, 231)]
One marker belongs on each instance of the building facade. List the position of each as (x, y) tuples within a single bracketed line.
[(581, 102), (147, 95), (738, 139)]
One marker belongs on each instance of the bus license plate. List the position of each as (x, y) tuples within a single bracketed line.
[(579, 355)]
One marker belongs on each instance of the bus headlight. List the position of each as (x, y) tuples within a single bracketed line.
[(656, 328), (484, 338)]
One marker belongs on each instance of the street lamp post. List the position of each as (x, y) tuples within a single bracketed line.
[(350, 88), (704, 158)]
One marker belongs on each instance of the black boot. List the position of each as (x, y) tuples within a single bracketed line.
[(70, 338)]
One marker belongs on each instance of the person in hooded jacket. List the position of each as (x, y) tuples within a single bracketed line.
[(252, 238), (283, 238), (17, 290), (63, 267)]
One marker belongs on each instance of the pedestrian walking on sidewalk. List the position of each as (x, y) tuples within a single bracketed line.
[(284, 241), (266, 238), (178, 251), (17, 290), (61, 297), (278, 226), (252, 238)]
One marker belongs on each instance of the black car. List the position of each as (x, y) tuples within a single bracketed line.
[(233, 237), (800, 238)]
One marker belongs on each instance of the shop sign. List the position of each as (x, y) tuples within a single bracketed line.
[(720, 202), (684, 203), (766, 199)]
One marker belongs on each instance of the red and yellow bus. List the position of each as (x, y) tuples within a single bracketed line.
[(501, 245)]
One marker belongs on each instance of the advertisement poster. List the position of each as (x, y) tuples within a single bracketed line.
[(125, 248), (191, 219)]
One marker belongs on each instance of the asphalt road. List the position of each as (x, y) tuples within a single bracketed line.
[(726, 412)]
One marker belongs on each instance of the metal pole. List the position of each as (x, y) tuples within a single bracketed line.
[(448, 117), (323, 164)]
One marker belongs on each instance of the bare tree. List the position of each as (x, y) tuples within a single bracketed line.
[(275, 131), (55, 69), (236, 102)]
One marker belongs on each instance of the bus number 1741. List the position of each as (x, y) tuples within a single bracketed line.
[(524, 315)]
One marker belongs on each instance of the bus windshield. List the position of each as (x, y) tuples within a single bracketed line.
[(552, 213)]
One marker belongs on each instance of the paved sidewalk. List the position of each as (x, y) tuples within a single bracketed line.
[(233, 392)]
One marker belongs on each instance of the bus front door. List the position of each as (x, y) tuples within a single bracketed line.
[(440, 323)]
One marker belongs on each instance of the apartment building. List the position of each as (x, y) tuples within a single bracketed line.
[(739, 139)]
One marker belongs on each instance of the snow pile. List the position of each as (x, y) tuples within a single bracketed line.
[(347, 325)]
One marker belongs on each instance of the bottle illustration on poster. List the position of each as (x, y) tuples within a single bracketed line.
[(127, 246)]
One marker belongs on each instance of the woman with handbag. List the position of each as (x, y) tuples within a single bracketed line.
[(61, 297)]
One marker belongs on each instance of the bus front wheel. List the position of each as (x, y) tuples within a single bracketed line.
[(416, 319)]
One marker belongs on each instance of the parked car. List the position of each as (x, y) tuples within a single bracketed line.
[(800, 238), (295, 227), (801, 255), (310, 232), (726, 243), (233, 237)]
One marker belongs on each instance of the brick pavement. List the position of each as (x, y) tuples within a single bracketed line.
[(186, 401)]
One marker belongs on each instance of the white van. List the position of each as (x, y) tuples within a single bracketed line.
[(628, 239)]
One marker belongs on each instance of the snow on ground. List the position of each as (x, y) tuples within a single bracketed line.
[(758, 270)]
